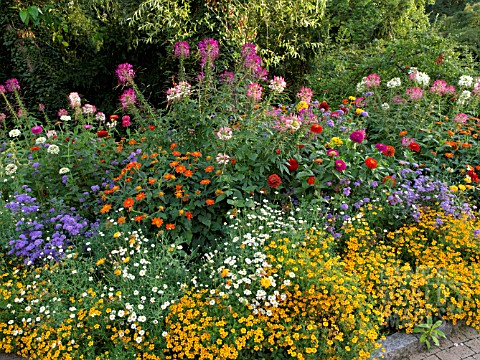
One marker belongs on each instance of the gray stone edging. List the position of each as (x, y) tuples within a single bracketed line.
[(400, 345)]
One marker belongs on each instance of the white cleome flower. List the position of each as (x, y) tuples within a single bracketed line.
[(10, 169), (63, 171), (53, 149), (65, 118), (394, 83), (465, 81), (14, 133)]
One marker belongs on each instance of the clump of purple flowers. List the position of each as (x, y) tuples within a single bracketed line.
[(44, 234), (252, 62), (125, 73), (209, 51), (181, 50), (12, 85), (128, 98)]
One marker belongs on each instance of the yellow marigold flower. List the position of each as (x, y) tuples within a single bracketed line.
[(454, 188), (302, 105), (358, 111), (117, 234), (117, 272), (101, 261), (266, 282), (462, 187)]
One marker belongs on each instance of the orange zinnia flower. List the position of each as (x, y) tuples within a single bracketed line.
[(140, 196), (188, 173), (466, 145), (176, 153), (210, 202), (170, 226), (205, 182), (132, 142), (173, 146), (189, 215), (209, 168), (128, 203), (157, 222), (173, 164), (390, 151), (196, 153), (138, 218), (106, 208), (154, 155), (168, 176), (121, 220), (403, 133), (449, 155), (180, 169), (152, 181)]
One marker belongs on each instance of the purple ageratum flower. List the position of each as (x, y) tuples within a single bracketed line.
[(357, 136), (125, 73), (340, 165), (37, 130), (181, 50), (254, 91), (128, 98), (209, 51), (12, 85), (344, 206)]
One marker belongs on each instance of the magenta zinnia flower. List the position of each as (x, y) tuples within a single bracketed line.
[(340, 165), (12, 85), (125, 73), (357, 136), (37, 130), (128, 98)]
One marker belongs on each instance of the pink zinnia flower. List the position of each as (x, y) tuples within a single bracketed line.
[(125, 73), (128, 98), (126, 121), (254, 91), (332, 152), (181, 50)]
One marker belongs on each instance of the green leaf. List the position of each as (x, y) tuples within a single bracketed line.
[(33, 11), (23, 16)]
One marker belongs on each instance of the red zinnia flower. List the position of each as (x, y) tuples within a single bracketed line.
[(390, 151), (414, 147), (292, 164), (389, 181), (102, 133), (209, 202), (371, 163), (311, 180), (274, 181), (316, 128)]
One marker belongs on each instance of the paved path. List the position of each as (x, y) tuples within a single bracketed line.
[(462, 344)]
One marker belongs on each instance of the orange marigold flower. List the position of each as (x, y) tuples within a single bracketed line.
[(174, 163), (403, 133), (196, 154), (188, 173), (204, 182), (153, 156), (106, 208), (176, 153), (170, 226), (449, 155), (132, 142), (138, 218), (168, 176), (180, 169), (450, 133), (210, 202), (145, 156), (209, 168), (189, 215), (140, 196), (152, 181), (466, 145), (121, 220), (128, 203), (157, 222), (173, 146)]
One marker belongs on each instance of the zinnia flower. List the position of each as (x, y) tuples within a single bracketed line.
[(340, 165), (311, 180), (274, 181), (414, 146), (102, 133), (371, 163), (357, 136), (292, 164), (126, 121), (316, 128)]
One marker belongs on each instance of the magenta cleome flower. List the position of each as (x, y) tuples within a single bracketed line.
[(415, 93), (37, 130), (12, 85), (254, 91), (340, 165), (128, 98), (373, 80), (125, 73), (2, 90), (209, 51), (181, 50), (357, 136)]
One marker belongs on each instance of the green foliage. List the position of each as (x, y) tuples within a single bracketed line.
[(339, 69), (429, 332)]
